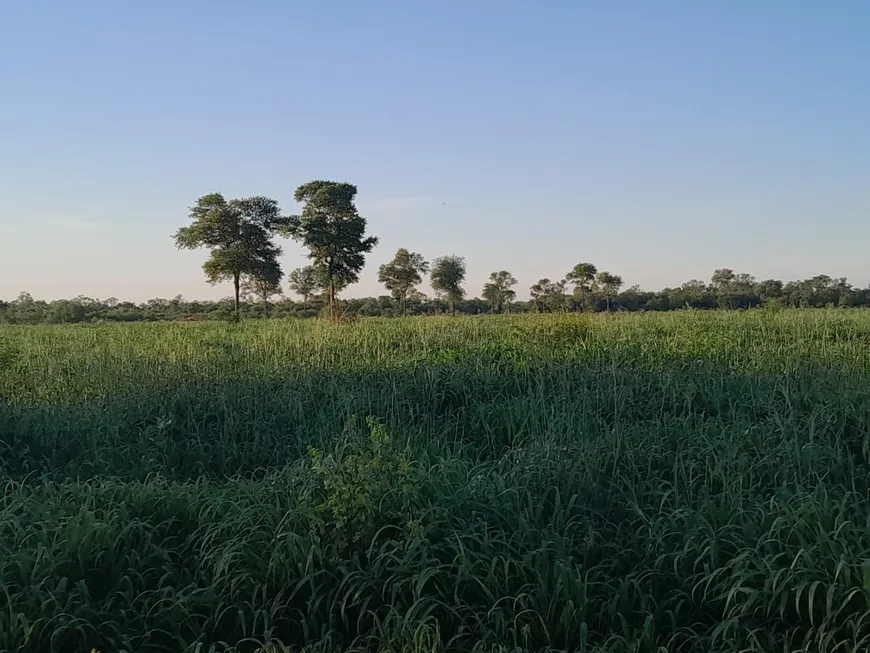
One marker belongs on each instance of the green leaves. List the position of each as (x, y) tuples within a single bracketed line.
[(607, 285), (688, 482), (400, 275), (587, 280), (548, 295), (498, 291), (305, 282), (370, 481), (448, 274), (239, 234), (333, 231), (581, 276)]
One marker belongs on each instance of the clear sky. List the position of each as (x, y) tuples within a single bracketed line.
[(658, 139)]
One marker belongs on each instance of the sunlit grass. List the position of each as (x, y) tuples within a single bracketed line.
[(674, 482)]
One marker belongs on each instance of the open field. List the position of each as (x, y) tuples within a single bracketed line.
[(691, 481)]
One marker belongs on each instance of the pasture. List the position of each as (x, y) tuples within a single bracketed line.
[(689, 481)]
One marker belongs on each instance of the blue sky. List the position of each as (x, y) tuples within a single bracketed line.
[(659, 140)]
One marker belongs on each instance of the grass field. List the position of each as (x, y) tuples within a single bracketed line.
[(671, 482)]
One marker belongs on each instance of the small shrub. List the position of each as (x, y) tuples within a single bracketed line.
[(369, 482)]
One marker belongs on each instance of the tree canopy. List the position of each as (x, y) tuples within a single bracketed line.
[(264, 283), (607, 285), (447, 277), (238, 233), (333, 231), (818, 291), (305, 282), (582, 277), (549, 296), (498, 291), (402, 274)]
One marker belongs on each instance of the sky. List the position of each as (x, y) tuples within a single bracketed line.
[(657, 140)]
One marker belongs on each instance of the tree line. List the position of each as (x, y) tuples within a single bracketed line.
[(240, 236), (817, 292)]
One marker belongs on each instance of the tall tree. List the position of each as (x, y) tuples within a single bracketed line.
[(608, 285), (402, 274), (305, 282), (264, 283), (334, 233), (237, 232), (582, 277), (730, 287), (498, 291), (447, 277), (548, 295)]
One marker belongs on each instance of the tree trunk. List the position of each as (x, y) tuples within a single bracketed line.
[(265, 304), (330, 292), (452, 307), (236, 286)]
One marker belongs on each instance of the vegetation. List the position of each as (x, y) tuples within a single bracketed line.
[(402, 275), (334, 233), (239, 235), (498, 291), (304, 282), (447, 277), (264, 284), (546, 296), (549, 296), (690, 481), (683, 481)]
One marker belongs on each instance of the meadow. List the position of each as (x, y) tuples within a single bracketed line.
[(690, 481)]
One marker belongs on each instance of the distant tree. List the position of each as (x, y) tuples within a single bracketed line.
[(845, 293), (548, 295), (402, 274), (264, 283), (334, 233), (498, 291), (734, 290), (237, 232), (722, 278), (305, 282), (67, 311), (634, 298), (743, 282), (770, 289), (538, 292), (608, 285), (693, 293), (582, 277), (823, 290), (721, 281), (447, 277)]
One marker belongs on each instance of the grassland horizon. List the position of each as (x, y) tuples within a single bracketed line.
[(685, 481)]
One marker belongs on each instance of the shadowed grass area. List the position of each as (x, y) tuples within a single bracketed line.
[(694, 482)]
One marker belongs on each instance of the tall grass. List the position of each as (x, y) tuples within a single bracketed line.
[(677, 482)]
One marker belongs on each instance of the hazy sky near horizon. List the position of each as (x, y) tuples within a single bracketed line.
[(658, 140)]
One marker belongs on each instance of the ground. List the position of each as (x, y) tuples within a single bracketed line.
[(694, 481)]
